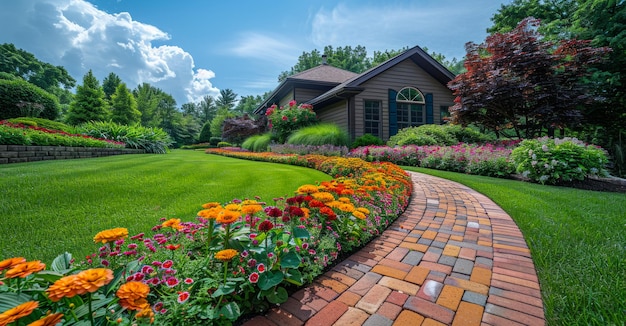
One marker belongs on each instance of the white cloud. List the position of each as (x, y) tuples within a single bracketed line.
[(79, 36), (266, 48)]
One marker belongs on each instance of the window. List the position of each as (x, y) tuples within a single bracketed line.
[(444, 112), (410, 103), (372, 118)]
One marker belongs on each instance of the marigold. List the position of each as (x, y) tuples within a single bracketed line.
[(8, 263), (306, 212), (145, 313), (334, 204), (363, 210), (210, 213), (24, 269), (308, 189), (111, 235), (330, 214), (323, 196), (232, 207), (316, 203), (50, 320), (93, 279), (358, 215), (227, 217), (251, 209), (349, 208), (211, 205), (344, 200), (133, 295), (173, 223), (65, 287), (226, 254), (18, 312)]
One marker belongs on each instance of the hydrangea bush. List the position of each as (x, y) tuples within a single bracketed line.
[(552, 161)]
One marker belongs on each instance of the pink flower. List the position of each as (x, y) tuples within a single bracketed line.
[(147, 269), (261, 268), (167, 264), (188, 281), (254, 277), (292, 103), (183, 297), (158, 306), (171, 281)]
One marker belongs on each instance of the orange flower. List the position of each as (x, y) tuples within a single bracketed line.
[(308, 189), (24, 269), (145, 313), (306, 211), (210, 213), (346, 208), (8, 263), (324, 197), (93, 279), (363, 210), (233, 207), (173, 223), (251, 209), (359, 215), (111, 235), (18, 312), (133, 295), (65, 287), (226, 254), (50, 320), (227, 217), (211, 205)]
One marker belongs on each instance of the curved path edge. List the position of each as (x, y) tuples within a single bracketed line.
[(453, 257)]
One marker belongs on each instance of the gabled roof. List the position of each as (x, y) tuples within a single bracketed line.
[(325, 73), (416, 54)]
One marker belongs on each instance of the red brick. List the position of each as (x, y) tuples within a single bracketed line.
[(389, 310), (517, 296), (505, 271), (349, 298), (323, 292), (399, 285), (516, 288), (397, 254), (343, 278), (331, 284), (436, 267), (299, 310), (516, 305), (408, 318), (397, 298), (328, 315), (282, 317), (499, 321), (429, 309), (468, 314), (395, 264), (373, 299), (515, 280), (353, 316), (432, 322), (430, 290), (365, 283), (514, 315)]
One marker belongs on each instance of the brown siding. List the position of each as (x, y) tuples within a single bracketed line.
[(336, 113), (285, 100), (404, 74), (305, 94)]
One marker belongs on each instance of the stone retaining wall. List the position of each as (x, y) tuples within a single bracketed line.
[(21, 154)]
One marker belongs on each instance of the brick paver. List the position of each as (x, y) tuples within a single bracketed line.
[(453, 258)]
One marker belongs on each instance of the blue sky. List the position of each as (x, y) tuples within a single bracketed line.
[(193, 48)]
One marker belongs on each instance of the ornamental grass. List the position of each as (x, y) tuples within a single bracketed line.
[(233, 259)]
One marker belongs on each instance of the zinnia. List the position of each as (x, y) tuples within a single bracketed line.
[(18, 312), (330, 214), (323, 196), (111, 235), (93, 279), (308, 189), (210, 213), (8, 263), (266, 226), (227, 217), (173, 223), (226, 254), (359, 215), (65, 287), (133, 295), (211, 205), (24, 269), (251, 209), (50, 320)]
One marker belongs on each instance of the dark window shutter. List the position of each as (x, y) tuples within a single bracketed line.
[(393, 113), (430, 115)]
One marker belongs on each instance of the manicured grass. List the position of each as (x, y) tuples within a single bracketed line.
[(577, 240), (47, 208)]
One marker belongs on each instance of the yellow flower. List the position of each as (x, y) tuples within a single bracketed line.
[(334, 204), (227, 217), (93, 279), (345, 200), (18, 312), (8, 263), (145, 313), (173, 223), (308, 189), (50, 320), (65, 287), (24, 269), (133, 295), (363, 210), (346, 208), (324, 197), (210, 213), (233, 207), (251, 209), (226, 254), (306, 212), (249, 202), (359, 215), (211, 205), (111, 235)]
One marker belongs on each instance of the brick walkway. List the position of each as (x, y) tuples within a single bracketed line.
[(453, 258)]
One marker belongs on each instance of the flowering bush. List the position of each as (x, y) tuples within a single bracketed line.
[(326, 150), (284, 120), (21, 134), (235, 258), (547, 160)]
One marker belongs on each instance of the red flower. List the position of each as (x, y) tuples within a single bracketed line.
[(254, 277), (316, 203), (182, 297), (171, 281), (266, 226), (167, 264), (172, 247), (274, 212), (188, 281), (261, 268), (330, 214), (292, 103)]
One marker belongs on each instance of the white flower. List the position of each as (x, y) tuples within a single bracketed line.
[(545, 148), (543, 178)]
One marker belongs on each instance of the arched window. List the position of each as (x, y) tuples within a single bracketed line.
[(410, 107)]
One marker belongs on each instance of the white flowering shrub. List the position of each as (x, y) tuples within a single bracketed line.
[(551, 161)]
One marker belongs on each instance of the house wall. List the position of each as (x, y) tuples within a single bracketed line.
[(285, 100), (305, 94), (404, 74), (336, 113)]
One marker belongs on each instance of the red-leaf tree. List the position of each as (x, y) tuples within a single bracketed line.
[(521, 82)]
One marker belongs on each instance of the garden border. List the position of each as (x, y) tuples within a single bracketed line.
[(23, 154)]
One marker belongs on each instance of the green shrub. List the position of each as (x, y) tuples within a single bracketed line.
[(19, 134), (152, 140), (499, 167), (197, 146), (215, 140), (19, 98), (467, 135), (13, 136), (552, 161), (224, 144), (442, 135), (320, 134), (43, 123), (367, 140), (257, 143), (205, 133)]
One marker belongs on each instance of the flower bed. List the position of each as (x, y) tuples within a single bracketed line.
[(234, 259), (21, 134)]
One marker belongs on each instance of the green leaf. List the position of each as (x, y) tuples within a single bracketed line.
[(294, 277), (230, 311), (62, 262), (223, 290), (9, 300), (301, 233), (278, 296), (290, 260), (269, 279)]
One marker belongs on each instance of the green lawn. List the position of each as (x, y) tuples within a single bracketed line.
[(47, 208), (578, 243)]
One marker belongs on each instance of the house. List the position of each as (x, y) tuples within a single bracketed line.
[(407, 90)]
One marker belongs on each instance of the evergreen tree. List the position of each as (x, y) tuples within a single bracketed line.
[(109, 85), (124, 107), (88, 103)]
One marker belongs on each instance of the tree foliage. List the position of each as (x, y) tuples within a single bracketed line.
[(236, 129), (19, 98), (247, 104), (124, 107), (109, 84), (518, 80), (226, 99), (25, 65), (89, 103), (207, 109)]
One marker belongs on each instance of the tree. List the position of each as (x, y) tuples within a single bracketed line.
[(205, 133), (247, 104), (109, 85), (24, 64), (555, 16), (218, 121), (89, 103), (207, 109), (190, 109), (517, 80), (226, 99), (236, 130), (305, 61), (380, 57), (455, 66), (348, 58), (19, 98), (124, 107)]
